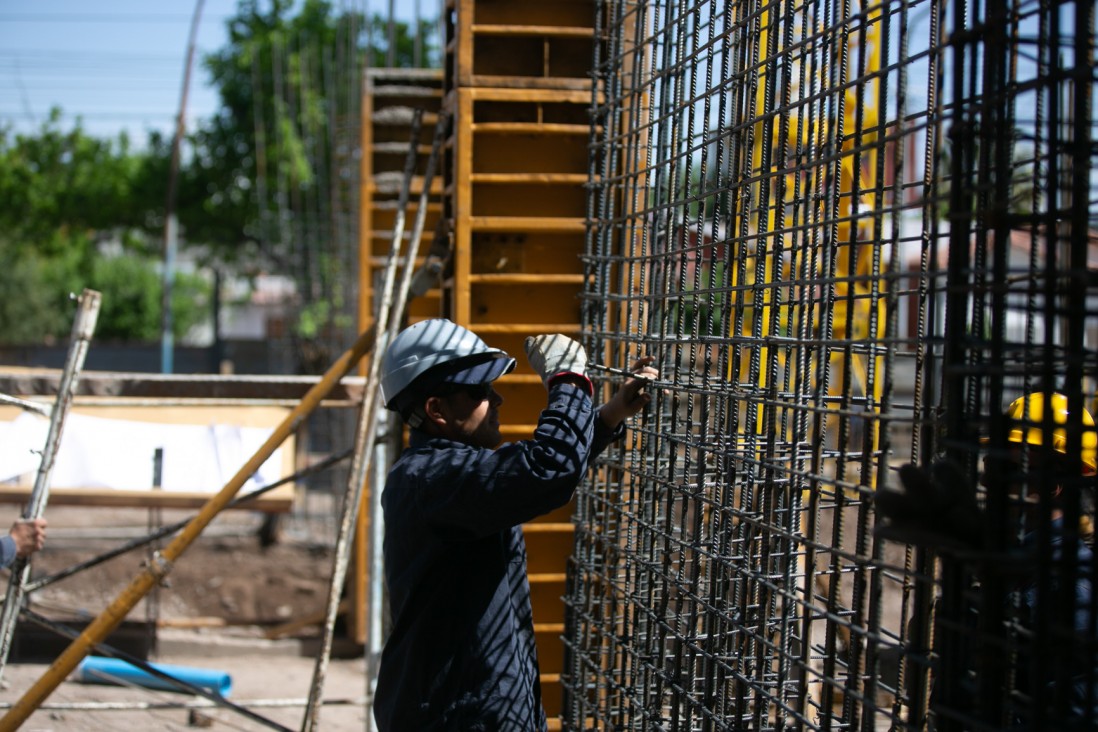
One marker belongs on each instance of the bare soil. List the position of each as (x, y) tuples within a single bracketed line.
[(226, 575)]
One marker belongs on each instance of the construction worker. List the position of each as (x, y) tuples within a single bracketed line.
[(1025, 469), (25, 538), (938, 509), (461, 655)]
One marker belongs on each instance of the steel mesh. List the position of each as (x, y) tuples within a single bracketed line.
[(850, 234)]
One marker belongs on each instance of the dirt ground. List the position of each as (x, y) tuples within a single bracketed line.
[(226, 573), (221, 597)]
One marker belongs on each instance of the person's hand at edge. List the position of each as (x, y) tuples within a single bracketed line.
[(29, 536)]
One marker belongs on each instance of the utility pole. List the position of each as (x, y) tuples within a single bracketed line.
[(167, 341), (390, 51)]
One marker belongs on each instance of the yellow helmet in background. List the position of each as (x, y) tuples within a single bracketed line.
[(1029, 412)]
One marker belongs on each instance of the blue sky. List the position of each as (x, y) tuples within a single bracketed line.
[(118, 64)]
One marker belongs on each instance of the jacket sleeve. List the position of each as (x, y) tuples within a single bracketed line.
[(7, 550), (475, 492)]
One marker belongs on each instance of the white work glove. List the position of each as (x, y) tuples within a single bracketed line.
[(554, 354)]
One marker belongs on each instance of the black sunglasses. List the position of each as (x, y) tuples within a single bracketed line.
[(476, 392)]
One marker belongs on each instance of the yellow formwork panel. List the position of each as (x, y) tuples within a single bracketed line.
[(389, 98), (543, 115), (531, 254), (560, 14), (532, 58), (503, 43), (518, 85), (522, 403), (384, 217), (529, 304), (525, 197), (545, 598), (502, 151)]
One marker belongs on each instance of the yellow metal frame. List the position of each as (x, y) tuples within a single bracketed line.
[(854, 281)]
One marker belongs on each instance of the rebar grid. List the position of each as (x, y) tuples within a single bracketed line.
[(850, 233)]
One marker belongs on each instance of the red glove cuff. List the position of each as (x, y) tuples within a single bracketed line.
[(579, 377)]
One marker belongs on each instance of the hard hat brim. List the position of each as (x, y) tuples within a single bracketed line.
[(484, 372)]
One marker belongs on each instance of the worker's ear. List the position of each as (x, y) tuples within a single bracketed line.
[(435, 410)]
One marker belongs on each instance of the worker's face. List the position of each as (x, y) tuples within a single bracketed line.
[(470, 415)]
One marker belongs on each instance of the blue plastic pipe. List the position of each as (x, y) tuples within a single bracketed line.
[(100, 670)]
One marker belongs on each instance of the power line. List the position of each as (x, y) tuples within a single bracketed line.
[(71, 18)]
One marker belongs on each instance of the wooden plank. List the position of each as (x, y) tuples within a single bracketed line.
[(280, 500), (535, 527), (560, 224), (527, 128), (511, 430), (533, 82), (529, 279), (138, 386), (528, 328), (514, 378), (550, 31), (505, 94), (463, 205), (548, 577), (464, 20), (366, 211), (520, 178), (548, 627), (389, 182)]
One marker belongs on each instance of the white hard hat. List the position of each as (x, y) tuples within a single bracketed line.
[(438, 351)]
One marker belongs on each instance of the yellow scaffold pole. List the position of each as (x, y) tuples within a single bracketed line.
[(161, 565)]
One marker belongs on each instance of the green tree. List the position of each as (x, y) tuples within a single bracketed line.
[(131, 299), (272, 174), (32, 309), (65, 197), (61, 189), (262, 155)]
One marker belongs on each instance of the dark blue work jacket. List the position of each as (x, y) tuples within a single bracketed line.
[(461, 652)]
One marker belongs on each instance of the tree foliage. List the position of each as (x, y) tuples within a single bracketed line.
[(65, 198), (131, 299), (283, 80), (77, 211), (61, 189), (272, 179)]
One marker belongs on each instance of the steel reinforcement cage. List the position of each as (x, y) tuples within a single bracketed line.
[(851, 234)]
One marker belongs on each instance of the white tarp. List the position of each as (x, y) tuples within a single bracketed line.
[(118, 454)]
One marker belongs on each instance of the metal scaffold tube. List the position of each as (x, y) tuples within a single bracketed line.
[(390, 315), (82, 330)]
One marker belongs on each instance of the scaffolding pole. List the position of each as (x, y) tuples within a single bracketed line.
[(83, 327), (390, 315)]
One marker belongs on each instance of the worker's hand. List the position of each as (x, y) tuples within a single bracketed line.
[(936, 509), (29, 536), (631, 398), (554, 354)]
